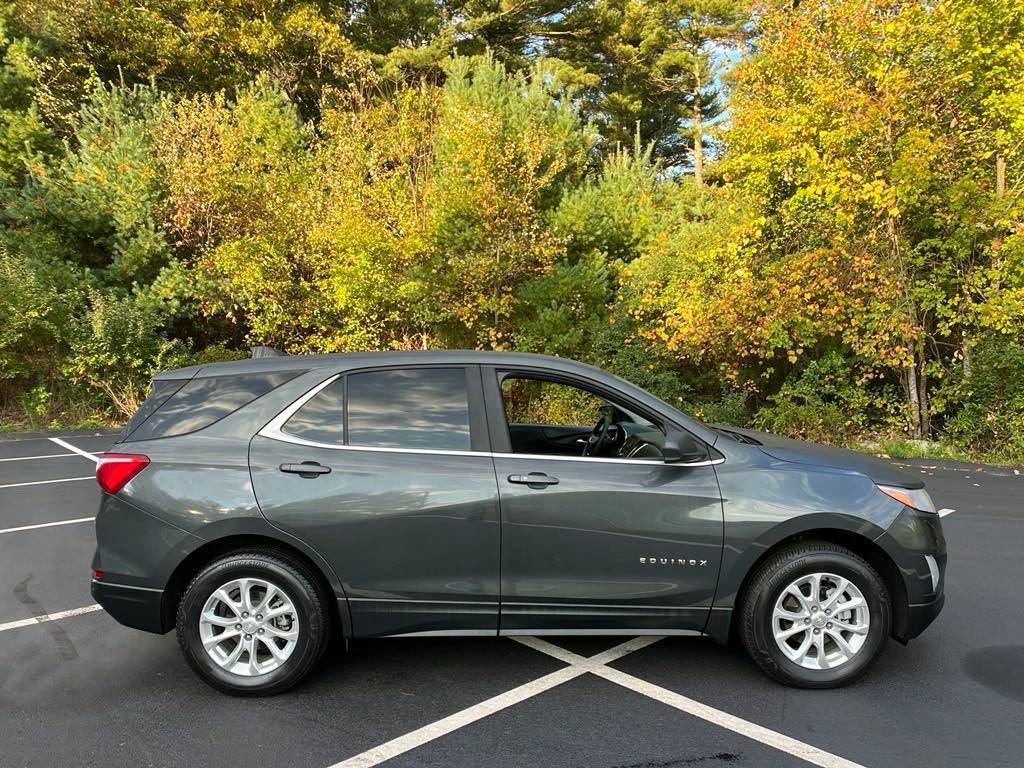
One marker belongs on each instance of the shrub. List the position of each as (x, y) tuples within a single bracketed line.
[(117, 347), (30, 319), (991, 416), (824, 401)]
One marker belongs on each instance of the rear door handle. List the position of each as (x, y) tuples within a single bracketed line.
[(534, 479), (307, 469)]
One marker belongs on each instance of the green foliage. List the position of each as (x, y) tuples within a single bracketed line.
[(95, 204), (24, 137), (117, 347), (824, 402), (181, 179), (32, 318), (991, 414)]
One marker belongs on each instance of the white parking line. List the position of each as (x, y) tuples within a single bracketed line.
[(944, 512), (580, 665), (33, 458), (50, 617), (70, 447), (44, 482), (759, 733), (47, 525), (598, 665), (460, 719)]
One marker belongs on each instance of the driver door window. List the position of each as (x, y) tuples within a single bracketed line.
[(550, 418)]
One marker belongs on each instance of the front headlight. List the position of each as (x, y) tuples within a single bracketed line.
[(917, 498)]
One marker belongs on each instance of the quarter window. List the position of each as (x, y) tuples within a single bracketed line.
[(202, 401), (321, 418), (423, 408)]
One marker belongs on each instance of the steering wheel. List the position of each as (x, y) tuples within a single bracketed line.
[(598, 436)]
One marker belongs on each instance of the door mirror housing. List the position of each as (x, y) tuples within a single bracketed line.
[(683, 448)]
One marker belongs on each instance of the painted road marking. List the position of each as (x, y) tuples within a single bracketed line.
[(47, 525), (944, 512), (598, 665), (33, 458), (465, 717), (774, 739), (70, 447), (44, 482), (50, 617), (428, 733)]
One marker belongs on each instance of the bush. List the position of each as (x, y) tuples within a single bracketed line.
[(30, 319), (729, 408), (991, 415), (824, 402), (117, 347)]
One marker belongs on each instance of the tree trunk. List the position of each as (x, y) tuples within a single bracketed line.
[(915, 386), (925, 420), (698, 124), (910, 385), (965, 350)]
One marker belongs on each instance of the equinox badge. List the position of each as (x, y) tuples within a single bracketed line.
[(672, 561)]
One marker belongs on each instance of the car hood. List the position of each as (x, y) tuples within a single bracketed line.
[(801, 452)]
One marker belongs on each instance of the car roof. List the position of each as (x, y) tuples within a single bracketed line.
[(343, 361)]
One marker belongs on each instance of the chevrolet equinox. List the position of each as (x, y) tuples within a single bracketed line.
[(256, 507)]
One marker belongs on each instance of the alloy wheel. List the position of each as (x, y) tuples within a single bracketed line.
[(821, 621), (249, 626)]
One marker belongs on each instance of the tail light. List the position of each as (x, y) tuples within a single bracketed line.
[(114, 470)]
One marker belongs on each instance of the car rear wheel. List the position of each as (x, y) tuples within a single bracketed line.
[(815, 615), (252, 623)]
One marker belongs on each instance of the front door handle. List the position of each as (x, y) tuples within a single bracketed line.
[(534, 479), (307, 469)]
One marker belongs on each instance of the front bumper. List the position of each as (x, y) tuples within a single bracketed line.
[(919, 616), (137, 607), (917, 546)]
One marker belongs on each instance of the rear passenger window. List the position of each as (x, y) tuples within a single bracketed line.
[(424, 408), (321, 418), (202, 401)]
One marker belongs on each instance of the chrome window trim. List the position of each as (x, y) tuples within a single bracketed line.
[(273, 430)]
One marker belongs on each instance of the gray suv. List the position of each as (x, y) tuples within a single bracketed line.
[(260, 506)]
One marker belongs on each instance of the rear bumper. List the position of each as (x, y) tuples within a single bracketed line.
[(137, 607)]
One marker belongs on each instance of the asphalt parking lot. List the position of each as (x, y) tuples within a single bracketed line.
[(77, 689)]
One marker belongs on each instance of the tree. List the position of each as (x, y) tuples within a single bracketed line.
[(851, 139), (201, 46), (688, 36), (652, 67)]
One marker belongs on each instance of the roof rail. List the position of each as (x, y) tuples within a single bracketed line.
[(264, 351)]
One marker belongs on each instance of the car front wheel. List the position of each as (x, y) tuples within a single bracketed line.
[(815, 615), (252, 623)]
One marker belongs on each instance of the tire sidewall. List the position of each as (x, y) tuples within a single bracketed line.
[(311, 624), (863, 577)]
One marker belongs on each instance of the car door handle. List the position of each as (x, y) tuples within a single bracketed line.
[(534, 479), (307, 469)]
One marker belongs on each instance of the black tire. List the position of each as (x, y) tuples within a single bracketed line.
[(782, 569), (283, 572)]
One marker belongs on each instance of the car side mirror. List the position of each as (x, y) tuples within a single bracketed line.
[(683, 448)]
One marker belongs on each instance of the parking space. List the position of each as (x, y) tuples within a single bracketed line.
[(82, 690)]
